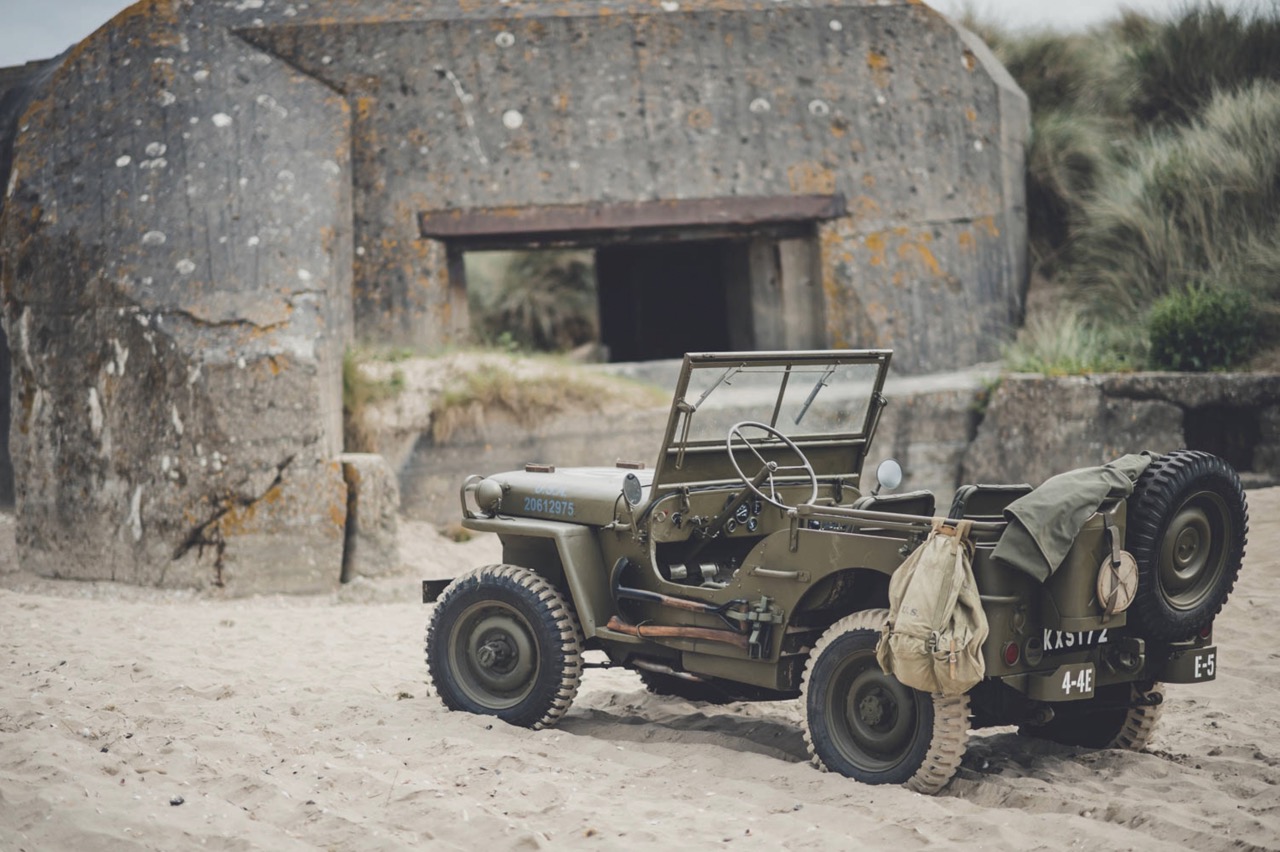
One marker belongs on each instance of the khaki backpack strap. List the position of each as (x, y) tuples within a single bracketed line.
[(960, 532), (948, 585)]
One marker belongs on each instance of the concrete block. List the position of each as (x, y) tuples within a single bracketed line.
[(1035, 427), (373, 507)]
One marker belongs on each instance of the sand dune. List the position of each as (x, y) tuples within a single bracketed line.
[(283, 723)]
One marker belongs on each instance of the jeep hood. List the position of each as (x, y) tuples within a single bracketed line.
[(577, 495)]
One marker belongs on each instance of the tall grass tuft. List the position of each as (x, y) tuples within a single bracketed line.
[(359, 391), (1070, 156), (1065, 343), (1178, 67), (1078, 72), (1198, 205), (1078, 99), (1153, 169)]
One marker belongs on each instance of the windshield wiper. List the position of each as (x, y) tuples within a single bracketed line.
[(687, 410), (813, 394), (725, 377)]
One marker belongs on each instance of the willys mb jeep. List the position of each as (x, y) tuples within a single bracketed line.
[(753, 563)]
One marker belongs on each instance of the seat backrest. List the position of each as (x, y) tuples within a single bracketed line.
[(985, 502), (906, 503)]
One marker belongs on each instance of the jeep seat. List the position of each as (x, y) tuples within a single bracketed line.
[(985, 502), (907, 503)]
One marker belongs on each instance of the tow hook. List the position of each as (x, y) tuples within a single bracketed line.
[(1042, 715), (1150, 699)]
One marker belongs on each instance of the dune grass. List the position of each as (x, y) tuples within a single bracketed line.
[(1199, 205), (1066, 343), (359, 391), (1153, 172)]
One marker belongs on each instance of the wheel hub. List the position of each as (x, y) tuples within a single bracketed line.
[(1187, 545), (1194, 549), (876, 717), (871, 710), (495, 657), (495, 654)]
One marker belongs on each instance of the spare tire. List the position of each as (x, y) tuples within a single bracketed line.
[(1187, 528)]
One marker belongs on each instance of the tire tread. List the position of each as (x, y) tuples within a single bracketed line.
[(554, 606), (950, 713), (1155, 495)]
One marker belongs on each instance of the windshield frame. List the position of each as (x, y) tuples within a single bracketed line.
[(685, 461)]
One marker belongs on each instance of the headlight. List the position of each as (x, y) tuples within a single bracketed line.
[(489, 495)]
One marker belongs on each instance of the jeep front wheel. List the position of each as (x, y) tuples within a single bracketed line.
[(502, 642), (866, 725)]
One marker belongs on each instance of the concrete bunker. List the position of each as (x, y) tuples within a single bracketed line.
[(207, 203)]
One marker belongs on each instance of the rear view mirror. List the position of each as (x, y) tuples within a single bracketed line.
[(888, 475)]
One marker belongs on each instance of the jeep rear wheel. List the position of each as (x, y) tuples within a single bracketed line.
[(1187, 529), (866, 725), (502, 642), (1119, 725)]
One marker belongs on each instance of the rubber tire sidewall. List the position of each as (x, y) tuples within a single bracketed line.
[(942, 728), (548, 617), (819, 680), (1158, 494)]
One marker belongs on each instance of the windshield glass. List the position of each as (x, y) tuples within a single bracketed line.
[(796, 399)]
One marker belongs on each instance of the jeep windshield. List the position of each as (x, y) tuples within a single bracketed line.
[(822, 401)]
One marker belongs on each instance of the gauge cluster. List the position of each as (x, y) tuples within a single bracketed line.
[(747, 517)]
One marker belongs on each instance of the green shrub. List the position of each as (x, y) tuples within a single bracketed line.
[(1202, 328)]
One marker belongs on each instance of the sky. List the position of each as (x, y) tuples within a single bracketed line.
[(38, 30)]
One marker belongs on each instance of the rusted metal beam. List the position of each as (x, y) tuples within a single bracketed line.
[(626, 216)]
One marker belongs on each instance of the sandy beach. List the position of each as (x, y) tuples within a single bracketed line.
[(135, 719)]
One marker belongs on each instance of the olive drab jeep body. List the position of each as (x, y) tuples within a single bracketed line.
[(752, 562)]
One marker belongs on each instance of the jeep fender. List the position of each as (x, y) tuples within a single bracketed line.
[(580, 571)]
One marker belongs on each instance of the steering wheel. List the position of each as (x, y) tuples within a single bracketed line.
[(768, 469)]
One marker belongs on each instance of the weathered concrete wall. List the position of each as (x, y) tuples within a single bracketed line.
[(1035, 427), (177, 293), (16, 87), (6, 465), (433, 472), (928, 425), (886, 104)]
